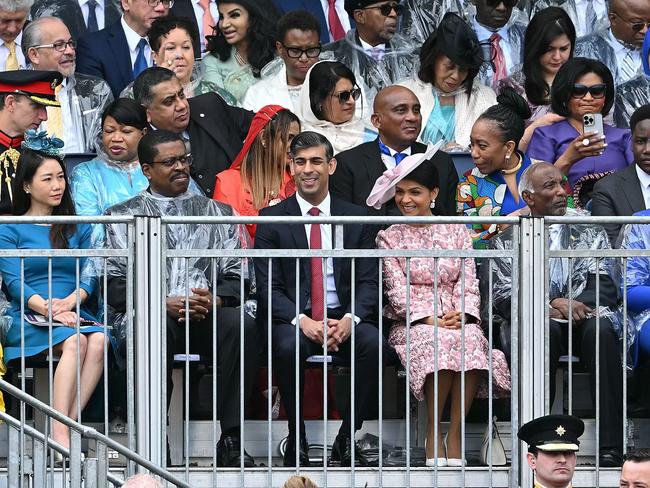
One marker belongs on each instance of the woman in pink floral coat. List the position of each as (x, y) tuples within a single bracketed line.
[(440, 337)]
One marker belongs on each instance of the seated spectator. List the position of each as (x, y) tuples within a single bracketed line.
[(299, 482), (421, 17), (215, 129), (321, 311), (24, 96), (334, 23), (79, 17), (548, 44), (374, 52), (439, 308), (452, 99), (636, 469), (627, 191), (502, 26), (172, 47), (332, 104), (48, 46), (618, 45), (242, 44), (298, 50), (14, 14), (634, 93), (582, 86), (260, 175), (543, 190), (166, 164), (398, 119), (586, 15), (40, 189), (491, 187), (120, 52)]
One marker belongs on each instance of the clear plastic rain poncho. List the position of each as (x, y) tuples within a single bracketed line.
[(421, 17), (88, 100), (630, 96), (596, 46), (580, 270), (569, 6), (185, 236), (399, 62)]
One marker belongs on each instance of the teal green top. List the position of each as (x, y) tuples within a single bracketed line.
[(229, 75)]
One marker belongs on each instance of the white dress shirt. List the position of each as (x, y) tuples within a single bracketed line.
[(73, 134), (4, 53), (389, 161), (340, 10), (132, 39), (644, 180), (100, 12), (381, 48), (600, 7), (628, 61), (198, 13), (484, 34)]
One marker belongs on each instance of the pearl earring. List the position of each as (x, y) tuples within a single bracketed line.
[(433, 203)]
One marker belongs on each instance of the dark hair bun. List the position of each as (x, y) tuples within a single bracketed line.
[(511, 100)]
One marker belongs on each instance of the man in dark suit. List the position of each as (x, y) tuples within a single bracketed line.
[(317, 10), (628, 191), (215, 129), (121, 51), (312, 164), (397, 118), (78, 15)]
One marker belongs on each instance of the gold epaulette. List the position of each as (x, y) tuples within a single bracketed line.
[(8, 165)]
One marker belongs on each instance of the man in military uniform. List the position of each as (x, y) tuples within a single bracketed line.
[(552, 446), (24, 94)]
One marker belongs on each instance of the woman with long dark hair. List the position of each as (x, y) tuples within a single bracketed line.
[(242, 44), (548, 44), (40, 189)]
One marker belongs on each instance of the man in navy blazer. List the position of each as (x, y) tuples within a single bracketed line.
[(112, 52), (312, 164), (313, 6)]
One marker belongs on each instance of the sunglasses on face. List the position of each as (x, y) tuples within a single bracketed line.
[(387, 8), (344, 96), (495, 3), (597, 91), (296, 52), (635, 26)]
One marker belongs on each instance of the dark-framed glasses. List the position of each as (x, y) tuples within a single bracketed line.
[(166, 3), (495, 3), (185, 160), (59, 45), (387, 8), (598, 90), (296, 52), (635, 26), (344, 96)]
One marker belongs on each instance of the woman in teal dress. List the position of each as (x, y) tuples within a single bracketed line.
[(40, 189)]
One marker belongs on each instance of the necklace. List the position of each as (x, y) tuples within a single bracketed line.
[(240, 59), (513, 170)]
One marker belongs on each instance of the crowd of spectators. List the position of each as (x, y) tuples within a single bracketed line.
[(334, 108)]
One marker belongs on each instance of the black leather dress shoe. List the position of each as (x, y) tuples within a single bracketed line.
[(610, 458), (228, 453), (290, 453), (342, 452)]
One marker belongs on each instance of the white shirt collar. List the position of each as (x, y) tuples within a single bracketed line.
[(644, 178), (323, 206), (132, 37), (392, 151), (483, 32), (367, 47), (619, 47)]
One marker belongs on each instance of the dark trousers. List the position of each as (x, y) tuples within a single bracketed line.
[(368, 346), (610, 371), (228, 346)]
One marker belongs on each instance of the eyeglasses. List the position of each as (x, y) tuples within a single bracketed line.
[(185, 160), (635, 26), (387, 8), (344, 96), (296, 52), (59, 45), (495, 3), (166, 3), (597, 91)]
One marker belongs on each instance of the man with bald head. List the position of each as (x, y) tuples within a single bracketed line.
[(619, 44), (396, 115), (542, 188)]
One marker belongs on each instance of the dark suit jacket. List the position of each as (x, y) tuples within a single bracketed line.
[(70, 13), (217, 132), (358, 169), (183, 8), (287, 236), (106, 54), (312, 6), (617, 194)]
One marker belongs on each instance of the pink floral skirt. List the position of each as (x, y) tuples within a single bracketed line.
[(422, 357)]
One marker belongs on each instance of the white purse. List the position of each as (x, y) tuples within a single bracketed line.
[(498, 451)]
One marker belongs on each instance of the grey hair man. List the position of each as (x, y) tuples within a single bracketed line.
[(48, 45), (13, 15)]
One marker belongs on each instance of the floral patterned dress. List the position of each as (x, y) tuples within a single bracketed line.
[(428, 297)]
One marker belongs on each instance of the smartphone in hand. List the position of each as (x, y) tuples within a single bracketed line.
[(593, 123)]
